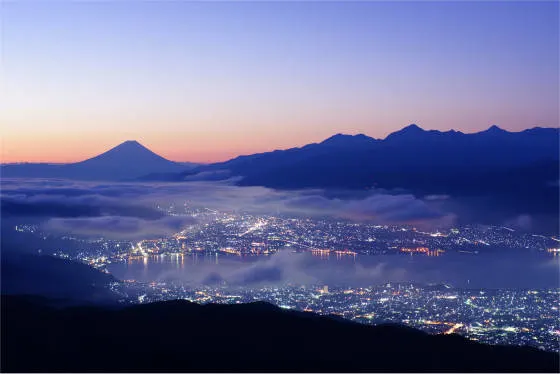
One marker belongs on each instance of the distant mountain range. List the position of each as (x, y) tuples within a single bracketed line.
[(414, 158), (179, 336), (518, 172), (493, 174), (127, 161), (514, 172), (430, 161)]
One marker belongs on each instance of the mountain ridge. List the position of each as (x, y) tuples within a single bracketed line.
[(452, 142), (412, 128), (516, 171), (245, 337), (407, 130)]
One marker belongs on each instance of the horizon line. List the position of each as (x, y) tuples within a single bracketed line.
[(412, 125)]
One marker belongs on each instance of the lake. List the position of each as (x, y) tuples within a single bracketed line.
[(491, 270)]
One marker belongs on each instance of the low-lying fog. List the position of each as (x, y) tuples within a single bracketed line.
[(494, 270), (129, 211)]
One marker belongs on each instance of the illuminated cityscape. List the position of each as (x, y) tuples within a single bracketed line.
[(245, 234), (497, 316), (521, 317)]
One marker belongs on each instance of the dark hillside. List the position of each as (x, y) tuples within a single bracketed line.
[(181, 336)]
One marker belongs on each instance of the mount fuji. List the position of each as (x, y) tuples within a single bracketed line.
[(126, 161)]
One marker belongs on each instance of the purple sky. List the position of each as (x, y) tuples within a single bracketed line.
[(206, 81)]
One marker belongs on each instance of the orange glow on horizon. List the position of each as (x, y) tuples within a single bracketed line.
[(47, 146), (63, 156), (58, 148)]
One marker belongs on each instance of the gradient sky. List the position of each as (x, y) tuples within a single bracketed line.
[(206, 81)]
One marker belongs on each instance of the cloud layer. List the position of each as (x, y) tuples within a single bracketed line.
[(130, 210), (118, 227), (518, 270)]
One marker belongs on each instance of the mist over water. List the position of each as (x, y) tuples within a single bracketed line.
[(516, 270), (138, 211)]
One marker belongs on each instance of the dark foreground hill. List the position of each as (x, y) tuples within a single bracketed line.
[(181, 336), (53, 277)]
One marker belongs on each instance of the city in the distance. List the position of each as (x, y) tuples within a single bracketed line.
[(280, 187)]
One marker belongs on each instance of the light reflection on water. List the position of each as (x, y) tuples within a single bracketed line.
[(492, 270)]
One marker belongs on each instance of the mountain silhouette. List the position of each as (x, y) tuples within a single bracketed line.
[(425, 162), (516, 172), (67, 281), (359, 161), (179, 336), (126, 161), (412, 130), (342, 140), (123, 153)]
